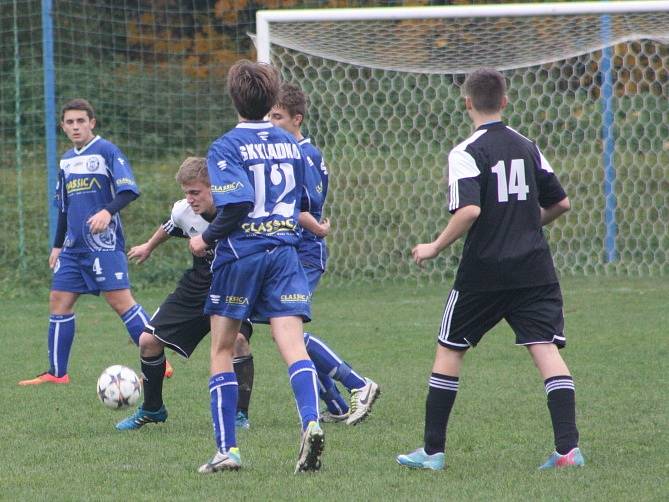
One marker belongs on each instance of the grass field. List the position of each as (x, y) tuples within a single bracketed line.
[(58, 442)]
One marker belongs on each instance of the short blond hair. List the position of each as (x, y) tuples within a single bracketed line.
[(193, 169)]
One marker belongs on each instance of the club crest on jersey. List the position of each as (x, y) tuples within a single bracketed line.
[(104, 241), (92, 165), (263, 135)]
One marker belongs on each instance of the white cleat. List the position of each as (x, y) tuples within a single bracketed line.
[(361, 402), (311, 448), (229, 461)]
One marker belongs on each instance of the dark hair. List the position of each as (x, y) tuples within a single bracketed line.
[(486, 87), (78, 104), (193, 169), (292, 99), (253, 88)]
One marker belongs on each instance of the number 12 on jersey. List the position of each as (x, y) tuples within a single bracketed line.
[(516, 183)]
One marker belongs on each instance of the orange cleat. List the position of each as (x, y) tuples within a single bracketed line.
[(169, 370), (45, 378)]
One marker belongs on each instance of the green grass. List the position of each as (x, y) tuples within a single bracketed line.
[(58, 443)]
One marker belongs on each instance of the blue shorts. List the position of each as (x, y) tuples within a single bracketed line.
[(91, 272), (261, 286), (313, 277)]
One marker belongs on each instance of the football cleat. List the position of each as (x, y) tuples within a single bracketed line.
[(311, 448), (361, 402), (330, 418), (169, 369), (556, 461), (229, 461), (141, 417), (420, 460), (45, 377), (242, 421)]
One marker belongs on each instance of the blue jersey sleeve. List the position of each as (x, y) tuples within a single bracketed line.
[(60, 197), (121, 171), (230, 183)]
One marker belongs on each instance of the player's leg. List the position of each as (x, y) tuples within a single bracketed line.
[(223, 392), (68, 283), (152, 360), (337, 406), (285, 301), (244, 369), (131, 313), (466, 318), (537, 319), (287, 333)]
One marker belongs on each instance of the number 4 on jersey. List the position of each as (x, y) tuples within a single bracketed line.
[(516, 183)]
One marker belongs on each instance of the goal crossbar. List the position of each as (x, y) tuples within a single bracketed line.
[(265, 17)]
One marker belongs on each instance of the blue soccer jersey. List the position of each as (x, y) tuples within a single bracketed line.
[(312, 249), (259, 163), (88, 180)]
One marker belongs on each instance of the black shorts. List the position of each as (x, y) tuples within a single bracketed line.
[(180, 322), (535, 315)]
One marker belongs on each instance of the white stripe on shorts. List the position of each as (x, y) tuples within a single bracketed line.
[(445, 327)]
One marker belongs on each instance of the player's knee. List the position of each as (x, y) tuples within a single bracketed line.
[(61, 302), (149, 345), (242, 346)]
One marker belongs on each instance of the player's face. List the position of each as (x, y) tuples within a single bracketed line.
[(198, 196), (78, 127), (281, 118)]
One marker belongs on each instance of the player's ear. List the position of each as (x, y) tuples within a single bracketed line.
[(468, 103), (93, 123), (505, 101), (299, 118)]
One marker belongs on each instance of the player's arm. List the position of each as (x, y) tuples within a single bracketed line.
[(59, 239), (100, 220), (226, 221), (307, 221), (459, 224), (550, 213), (142, 252)]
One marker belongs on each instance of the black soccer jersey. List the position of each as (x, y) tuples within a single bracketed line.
[(506, 175)]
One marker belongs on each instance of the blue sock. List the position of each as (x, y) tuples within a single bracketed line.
[(329, 393), (135, 320), (223, 392), (328, 362), (303, 379), (61, 336)]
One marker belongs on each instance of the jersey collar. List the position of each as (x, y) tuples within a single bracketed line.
[(79, 152), (303, 141), (489, 125), (260, 124)]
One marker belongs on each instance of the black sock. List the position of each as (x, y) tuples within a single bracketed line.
[(441, 394), (562, 405), (153, 372), (243, 367)]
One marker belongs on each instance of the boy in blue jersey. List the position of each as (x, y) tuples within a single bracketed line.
[(256, 172), (289, 113), (95, 182)]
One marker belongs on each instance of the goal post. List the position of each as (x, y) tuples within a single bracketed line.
[(588, 81)]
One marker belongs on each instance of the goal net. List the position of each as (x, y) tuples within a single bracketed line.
[(589, 85)]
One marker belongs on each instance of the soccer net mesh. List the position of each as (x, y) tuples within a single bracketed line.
[(385, 108)]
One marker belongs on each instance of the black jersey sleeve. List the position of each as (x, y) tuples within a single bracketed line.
[(172, 229), (550, 189)]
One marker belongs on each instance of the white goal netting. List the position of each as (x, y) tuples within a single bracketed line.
[(385, 108)]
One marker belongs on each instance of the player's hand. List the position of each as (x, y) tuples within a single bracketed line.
[(325, 227), (139, 254), (99, 221), (197, 246), (423, 252), (53, 257)]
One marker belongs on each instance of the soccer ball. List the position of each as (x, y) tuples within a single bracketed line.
[(119, 387)]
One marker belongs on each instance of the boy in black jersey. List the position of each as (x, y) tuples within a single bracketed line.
[(502, 191), (180, 322)]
